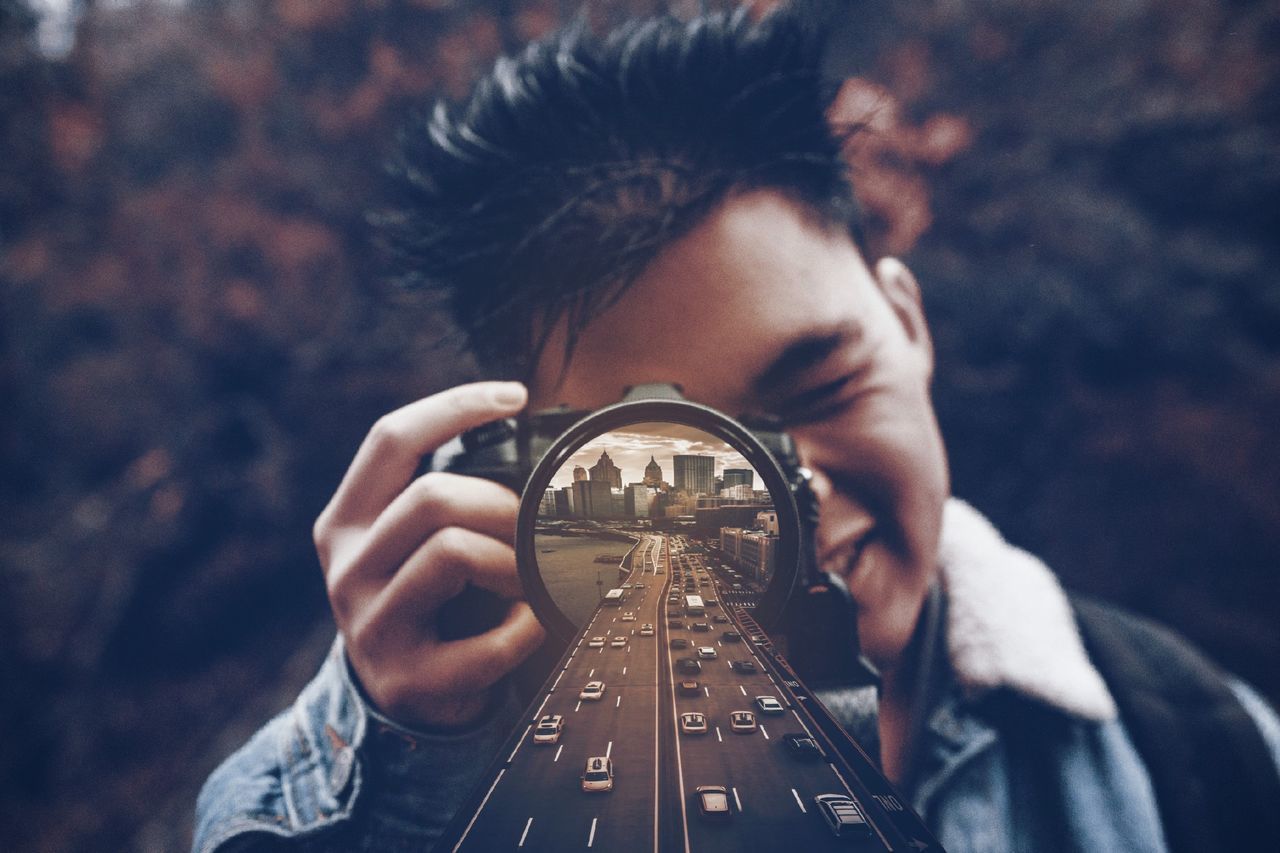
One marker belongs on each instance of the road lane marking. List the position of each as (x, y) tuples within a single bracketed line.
[(736, 800), (743, 689), (763, 732), (559, 749), (718, 735), (517, 749), (706, 690), (557, 682), (624, 670), (483, 803), (799, 802), (608, 750), (619, 702), (527, 824), (592, 837), (576, 707), (538, 712), (592, 672)]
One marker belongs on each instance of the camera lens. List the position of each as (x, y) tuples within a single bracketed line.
[(659, 503)]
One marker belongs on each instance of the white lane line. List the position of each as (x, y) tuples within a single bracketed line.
[(743, 689), (483, 803), (592, 837), (601, 651), (619, 702), (706, 690), (800, 720), (592, 672), (763, 732), (847, 789), (538, 713), (608, 750), (576, 707), (517, 749), (799, 802), (736, 800), (718, 735), (624, 670), (559, 749), (524, 834)]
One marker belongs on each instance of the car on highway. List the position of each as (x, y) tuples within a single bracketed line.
[(710, 602), (598, 774), (595, 643), (743, 666), (678, 643), (628, 617), (770, 705), (801, 746), (707, 653), (689, 687), (758, 639), (701, 627), (688, 666), (593, 690), (618, 642), (731, 637), (693, 723), (742, 721), (719, 617), (675, 623), (713, 802), (842, 815), (548, 729), (626, 586), (646, 630)]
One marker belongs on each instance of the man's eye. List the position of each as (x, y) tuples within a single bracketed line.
[(816, 403)]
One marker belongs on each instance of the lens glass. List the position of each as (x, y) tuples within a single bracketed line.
[(653, 522)]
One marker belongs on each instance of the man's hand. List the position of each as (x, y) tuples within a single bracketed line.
[(395, 549)]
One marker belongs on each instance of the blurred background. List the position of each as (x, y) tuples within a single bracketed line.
[(195, 332)]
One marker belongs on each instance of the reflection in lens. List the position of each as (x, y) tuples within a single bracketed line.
[(653, 503)]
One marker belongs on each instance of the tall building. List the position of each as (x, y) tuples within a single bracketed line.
[(548, 504), (579, 473), (605, 471), (638, 495), (564, 502), (653, 473), (738, 493), (592, 499), (738, 477), (695, 474)]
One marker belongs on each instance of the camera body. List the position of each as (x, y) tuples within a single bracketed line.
[(807, 615)]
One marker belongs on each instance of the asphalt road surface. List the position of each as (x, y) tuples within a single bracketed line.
[(536, 801)]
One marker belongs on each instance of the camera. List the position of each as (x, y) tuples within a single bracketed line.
[(805, 614)]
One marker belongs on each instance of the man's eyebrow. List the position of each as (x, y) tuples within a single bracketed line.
[(801, 356)]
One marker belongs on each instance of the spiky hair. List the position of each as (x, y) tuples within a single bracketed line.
[(570, 167)]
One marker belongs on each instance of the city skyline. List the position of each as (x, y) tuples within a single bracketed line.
[(631, 447)]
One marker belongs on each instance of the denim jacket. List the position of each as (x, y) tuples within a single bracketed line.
[(1021, 750)]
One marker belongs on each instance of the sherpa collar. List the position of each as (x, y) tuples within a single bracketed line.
[(1009, 623)]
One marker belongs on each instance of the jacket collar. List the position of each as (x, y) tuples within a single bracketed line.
[(1009, 623)]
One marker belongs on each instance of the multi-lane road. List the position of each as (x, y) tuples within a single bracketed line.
[(535, 801)]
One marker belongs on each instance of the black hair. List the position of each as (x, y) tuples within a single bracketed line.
[(572, 166)]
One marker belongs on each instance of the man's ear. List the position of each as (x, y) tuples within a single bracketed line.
[(902, 291)]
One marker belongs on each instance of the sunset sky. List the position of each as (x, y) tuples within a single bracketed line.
[(630, 448)]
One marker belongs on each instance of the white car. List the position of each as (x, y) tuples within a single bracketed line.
[(707, 652), (628, 617), (595, 643), (770, 705), (742, 721), (548, 729), (693, 723), (842, 815), (618, 642), (598, 774), (646, 630), (593, 690)]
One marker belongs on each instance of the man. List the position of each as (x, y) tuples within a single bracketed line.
[(670, 205)]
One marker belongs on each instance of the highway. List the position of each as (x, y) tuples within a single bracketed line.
[(535, 800)]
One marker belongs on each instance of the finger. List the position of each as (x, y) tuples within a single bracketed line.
[(392, 451), (431, 503), (476, 663)]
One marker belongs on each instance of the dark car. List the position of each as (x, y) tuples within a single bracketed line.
[(731, 637), (720, 618), (801, 746), (674, 623), (679, 643), (701, 626), (689, 666), (842, 815), (742, 666)]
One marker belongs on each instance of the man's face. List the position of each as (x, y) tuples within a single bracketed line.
[(759, 310)]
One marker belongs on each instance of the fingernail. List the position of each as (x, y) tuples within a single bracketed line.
[(510, 394)]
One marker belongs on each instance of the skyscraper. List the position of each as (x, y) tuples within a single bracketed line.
[(653, 473), (695, 474), (579, 473), (738, 477), (605, 471)]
